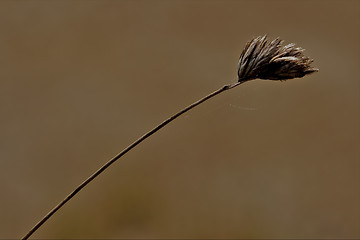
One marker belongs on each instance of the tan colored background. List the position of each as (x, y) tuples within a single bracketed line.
[(80, 80)]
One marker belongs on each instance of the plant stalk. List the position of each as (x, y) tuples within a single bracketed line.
[(123, 152)]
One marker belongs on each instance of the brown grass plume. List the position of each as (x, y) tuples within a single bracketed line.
[(271, 60)]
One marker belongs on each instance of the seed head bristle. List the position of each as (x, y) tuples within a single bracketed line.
[(271, 60)]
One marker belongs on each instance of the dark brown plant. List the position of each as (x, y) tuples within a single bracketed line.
[(271, 60), (259, 59)]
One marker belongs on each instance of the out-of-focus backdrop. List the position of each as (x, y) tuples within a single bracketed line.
[(80, 80)]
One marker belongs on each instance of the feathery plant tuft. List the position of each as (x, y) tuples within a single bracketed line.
[(270, 60), (260, 59)]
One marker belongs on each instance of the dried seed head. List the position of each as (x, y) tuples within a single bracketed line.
[(270, 60)]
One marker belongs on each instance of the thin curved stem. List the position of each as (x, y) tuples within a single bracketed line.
[(123, 152)]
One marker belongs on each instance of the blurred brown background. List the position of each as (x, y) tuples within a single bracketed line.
[(80, 80)]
